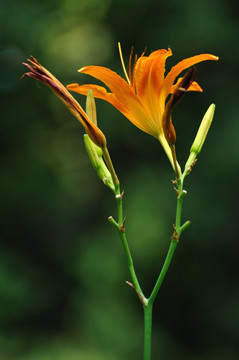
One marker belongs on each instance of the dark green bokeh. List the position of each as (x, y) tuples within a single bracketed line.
[(62, 269)]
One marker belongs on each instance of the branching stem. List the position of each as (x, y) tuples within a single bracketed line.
[(178, 229)]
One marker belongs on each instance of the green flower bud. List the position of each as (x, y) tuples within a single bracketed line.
[(98, 154), (95, 155), (200, 138), (203, 130)]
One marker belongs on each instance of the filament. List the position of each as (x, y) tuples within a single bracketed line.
[(122, 62)]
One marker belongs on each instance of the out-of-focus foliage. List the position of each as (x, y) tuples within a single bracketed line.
[(62, 269)]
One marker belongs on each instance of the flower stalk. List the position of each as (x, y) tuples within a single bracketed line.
[(143, 99)]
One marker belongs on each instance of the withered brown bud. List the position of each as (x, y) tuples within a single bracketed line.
[(38, 72), (183, 86), (186, 81)]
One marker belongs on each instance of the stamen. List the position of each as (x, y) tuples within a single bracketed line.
[(130, 63), (122, 62), (135, 61), (145, 49)]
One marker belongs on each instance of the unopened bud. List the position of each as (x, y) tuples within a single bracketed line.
[(95, 152), (91, 107), (95, 155), (203, 130), (200, 138)]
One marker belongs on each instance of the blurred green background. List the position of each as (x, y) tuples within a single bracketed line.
[(62, 268)]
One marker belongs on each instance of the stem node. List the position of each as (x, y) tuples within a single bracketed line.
[(175, 236), (119, 196), (177, 192), (142, 298), (122, 227)]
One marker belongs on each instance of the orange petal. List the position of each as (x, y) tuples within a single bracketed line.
[(123, 98), (177, 69), (193, 87), (149, 71), (148, 79), (135, 112), (113, 81), (99, 92)]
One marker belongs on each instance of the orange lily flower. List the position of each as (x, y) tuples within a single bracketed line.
[(142, 98), (38, 72)]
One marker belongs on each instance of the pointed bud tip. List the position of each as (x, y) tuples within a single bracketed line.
[(203, 130)]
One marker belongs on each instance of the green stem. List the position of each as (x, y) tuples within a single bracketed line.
[(148, 309), (163, 271), (131, 268), (119, 198), (175, 237), (121, 230), (110, 166), (178, 229), (174, 241), (147, 330)]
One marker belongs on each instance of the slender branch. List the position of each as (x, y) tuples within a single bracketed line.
[(120, 225), (163, 272), (178, 229), (132, 270)]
